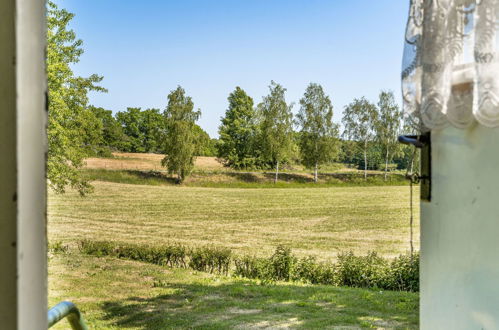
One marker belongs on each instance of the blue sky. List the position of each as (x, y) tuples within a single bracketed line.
[(146, 48)]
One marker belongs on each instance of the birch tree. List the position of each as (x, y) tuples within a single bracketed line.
[(276, 126), (180, 143), (359, 118), (388, 126), (319, 135)]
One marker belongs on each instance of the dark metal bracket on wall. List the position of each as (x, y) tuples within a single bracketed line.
[(422, 142)]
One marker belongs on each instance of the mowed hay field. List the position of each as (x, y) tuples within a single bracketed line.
[(312, 221), (146, 162)]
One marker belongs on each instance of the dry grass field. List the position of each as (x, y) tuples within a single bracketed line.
[(319, 222), (145, 162), (143, 168)]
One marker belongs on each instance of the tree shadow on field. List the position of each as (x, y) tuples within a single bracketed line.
[(289, 177), (249, 177), (249, 305), (359, 177), (152, 175)]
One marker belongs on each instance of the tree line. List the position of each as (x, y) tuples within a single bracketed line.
[(268, 135), (263, 136)]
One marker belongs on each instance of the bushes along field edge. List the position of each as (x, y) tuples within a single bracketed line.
[(369, 271)]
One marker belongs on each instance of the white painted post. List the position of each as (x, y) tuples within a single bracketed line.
[(23, 271), (31, 156)]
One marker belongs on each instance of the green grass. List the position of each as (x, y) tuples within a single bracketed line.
[(318, 222), (121, 294), (234, 179), (237, 213)]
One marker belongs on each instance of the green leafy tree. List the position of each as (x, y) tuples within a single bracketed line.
[(359, 118), (112, 132), (91, 132), (181, 140), (237, 131), (151, 127), (276, 127), (319, 135), (388, 126), (130, 120), (67, 103), (206, 146)]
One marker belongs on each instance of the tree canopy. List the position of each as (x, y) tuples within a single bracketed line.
[(69, 119), (319, 135), (276, 126), (359, 118), (181, 143), (237, 131), (388, 126)]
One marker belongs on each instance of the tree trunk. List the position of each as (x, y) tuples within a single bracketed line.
[(276, 172), (365, 160), (315, 173), (386, 163)]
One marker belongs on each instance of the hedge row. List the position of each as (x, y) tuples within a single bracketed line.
[(207, 259), (370, 271)]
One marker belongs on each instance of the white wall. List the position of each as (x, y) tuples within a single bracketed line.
[(460, 232)]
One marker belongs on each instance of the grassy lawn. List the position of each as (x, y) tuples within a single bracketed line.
[(248, 218), (319, 222), (118, 294)]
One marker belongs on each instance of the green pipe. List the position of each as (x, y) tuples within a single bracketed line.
[(69, 310)]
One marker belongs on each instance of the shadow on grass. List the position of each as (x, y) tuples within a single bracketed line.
[(248, 305), (129, 176), (248, 177), (152, 175), (289, 177)]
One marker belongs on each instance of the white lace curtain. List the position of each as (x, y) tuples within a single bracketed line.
[(450, 70)]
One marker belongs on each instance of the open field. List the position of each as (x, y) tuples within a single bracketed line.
[(319, 222), (144, 168), (145, 162), (121, 294), (152, 162), (117, 293)]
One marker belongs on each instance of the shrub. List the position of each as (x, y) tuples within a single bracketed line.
[(404, 273), (211, 259), (250, 267), (171, 255), (370, 271), (96, 248), (362, 271), (308, 270), (280, 264)]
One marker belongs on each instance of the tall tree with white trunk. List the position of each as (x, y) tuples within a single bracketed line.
[(318, 134), (276, 126), (359, 120), (388, 126)]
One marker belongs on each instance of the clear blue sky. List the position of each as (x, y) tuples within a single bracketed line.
[(146, 48)]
